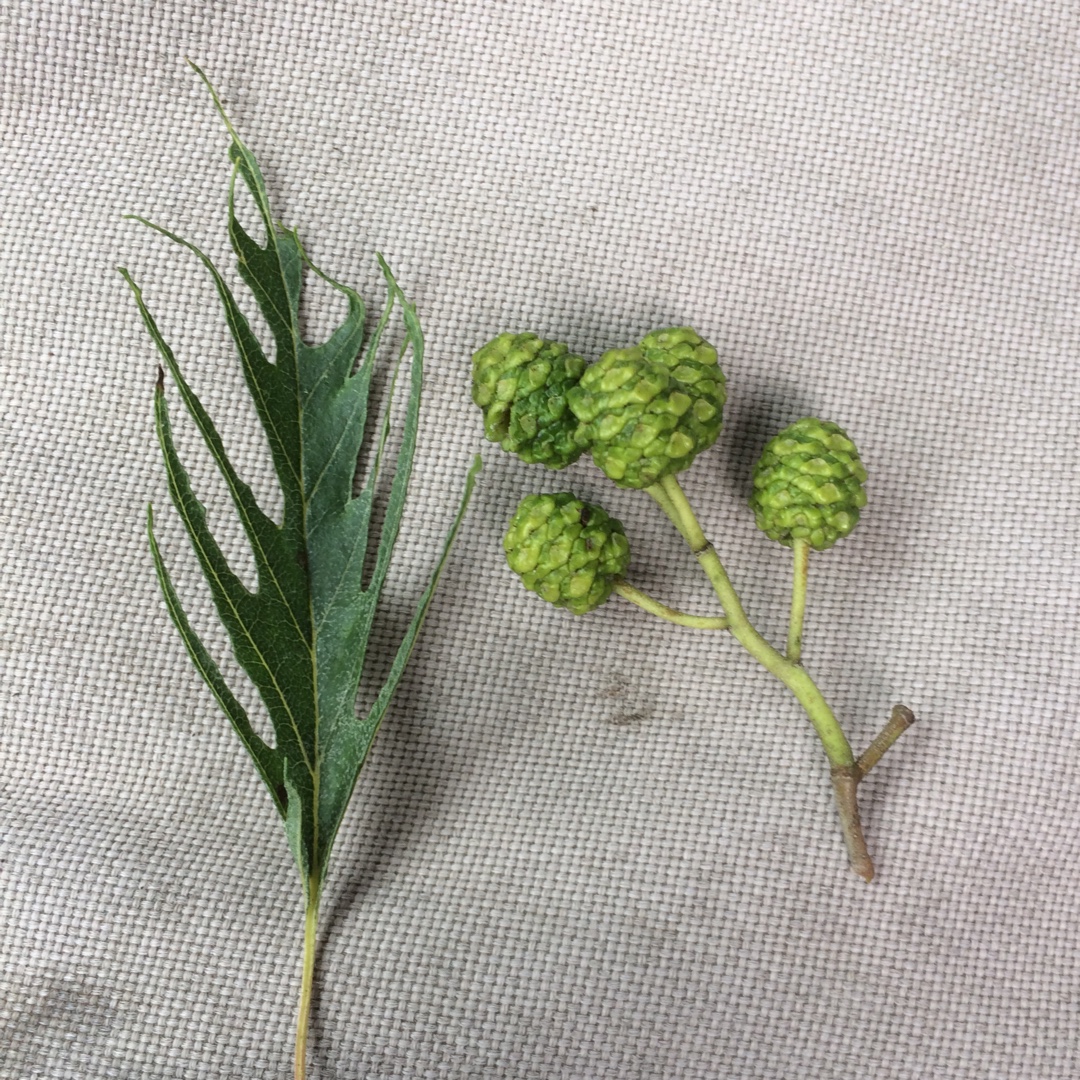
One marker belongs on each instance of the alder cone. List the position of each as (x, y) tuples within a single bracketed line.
[(808, 485), (566, 551), (520, 382), (647, 412)]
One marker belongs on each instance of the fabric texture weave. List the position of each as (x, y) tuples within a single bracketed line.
[(598, 847)]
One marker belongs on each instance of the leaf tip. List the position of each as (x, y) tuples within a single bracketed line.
[(216, 99), (126, 275), (391, 281), (202, 75), (159, 389)]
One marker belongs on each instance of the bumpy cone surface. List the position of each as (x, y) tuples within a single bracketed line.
[(566, 551), (647, 412), (808, 484), (520, 381)]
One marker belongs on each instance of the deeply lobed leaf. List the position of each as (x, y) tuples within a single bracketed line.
[(301, 635)]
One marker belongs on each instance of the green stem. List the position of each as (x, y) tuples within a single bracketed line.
[(845, 772), (662, 611), (307, 980), (660, 495), (801, 571), (791, 675)]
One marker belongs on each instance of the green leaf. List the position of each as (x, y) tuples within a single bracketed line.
[(301, 634)]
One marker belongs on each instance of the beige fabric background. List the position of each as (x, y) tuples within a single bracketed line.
[(583, 848)]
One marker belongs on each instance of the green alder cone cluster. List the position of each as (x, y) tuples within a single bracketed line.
[(644, 412), (520, 381), (566, 551), (808, 485)]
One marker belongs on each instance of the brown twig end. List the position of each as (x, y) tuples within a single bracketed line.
[(901, 719)]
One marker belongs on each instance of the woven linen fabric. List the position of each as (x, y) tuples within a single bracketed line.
[(597, 847)]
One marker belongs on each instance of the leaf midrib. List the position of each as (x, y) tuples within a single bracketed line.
[(314, 768)]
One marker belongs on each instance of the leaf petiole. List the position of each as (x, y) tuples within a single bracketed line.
[(307, 978)]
